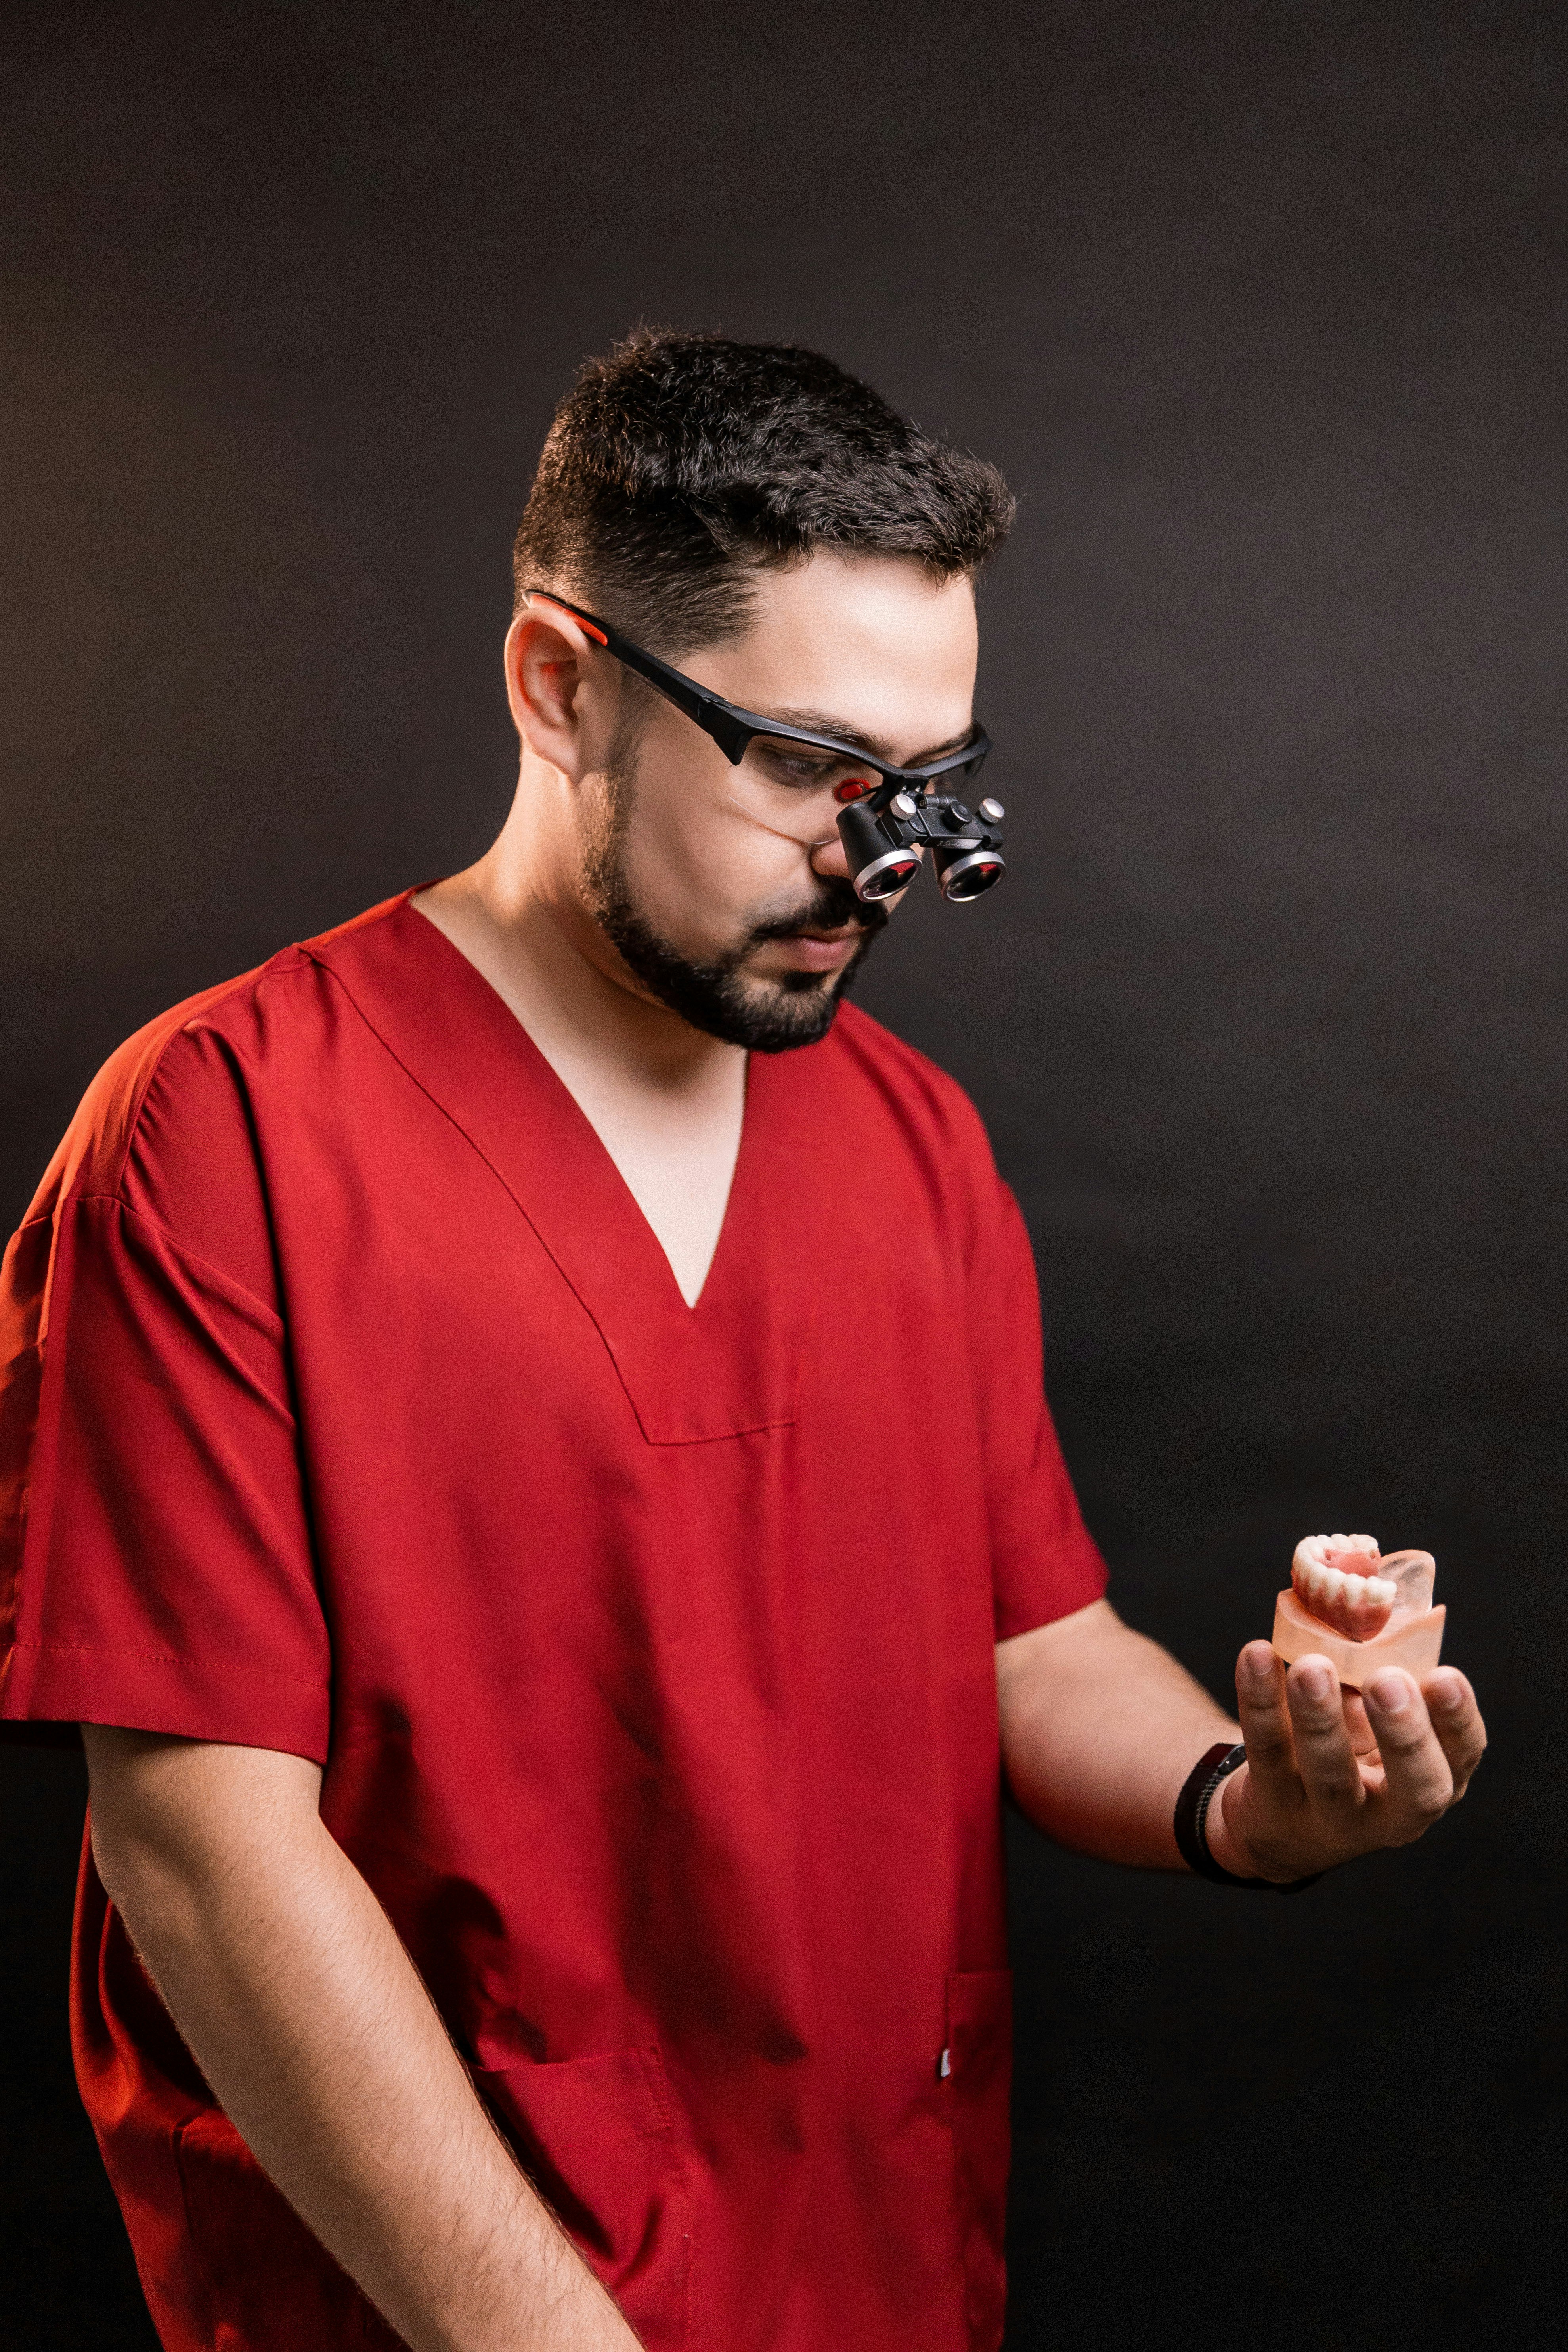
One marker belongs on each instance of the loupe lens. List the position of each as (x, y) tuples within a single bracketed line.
[(891, 873), (968, 873)]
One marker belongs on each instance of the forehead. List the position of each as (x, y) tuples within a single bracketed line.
[(868, 640)]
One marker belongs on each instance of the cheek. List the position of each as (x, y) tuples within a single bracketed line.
[(697, 866)]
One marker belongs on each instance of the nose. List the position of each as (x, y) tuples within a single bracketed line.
[(828, 857)]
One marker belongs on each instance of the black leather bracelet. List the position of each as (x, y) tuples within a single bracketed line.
[(1217, 1764)]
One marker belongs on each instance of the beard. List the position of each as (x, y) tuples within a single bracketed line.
[(718, 996)]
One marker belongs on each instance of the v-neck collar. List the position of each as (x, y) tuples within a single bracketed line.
[(727, 1366)]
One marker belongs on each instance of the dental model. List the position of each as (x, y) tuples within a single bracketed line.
[(1359, 1608)]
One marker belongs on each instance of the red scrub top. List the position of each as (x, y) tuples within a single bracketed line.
[(351, 1408)]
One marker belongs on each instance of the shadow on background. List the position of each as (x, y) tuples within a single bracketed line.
[(1262, 309)]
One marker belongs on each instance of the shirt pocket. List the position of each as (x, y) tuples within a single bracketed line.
[(978, 2071), (595, 2136)]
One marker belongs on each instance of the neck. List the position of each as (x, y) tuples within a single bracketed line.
[(667, 1102), (518, 916)]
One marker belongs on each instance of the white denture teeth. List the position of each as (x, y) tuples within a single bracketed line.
[(1335, 1577)]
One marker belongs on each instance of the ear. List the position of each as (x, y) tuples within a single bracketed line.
[(562, 702)]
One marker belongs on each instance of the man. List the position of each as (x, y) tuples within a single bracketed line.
[(528, 1464)]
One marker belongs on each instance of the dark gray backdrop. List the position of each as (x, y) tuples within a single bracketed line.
[(1262, 307)]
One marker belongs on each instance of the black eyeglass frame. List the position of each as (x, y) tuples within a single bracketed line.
[(733, 729)]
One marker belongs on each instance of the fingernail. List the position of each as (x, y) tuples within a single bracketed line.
[(1315, 1680), (1447, 1696), (1390, 1692)]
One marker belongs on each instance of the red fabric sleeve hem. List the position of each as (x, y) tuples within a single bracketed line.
[(1073, 1577), (238, 1706)]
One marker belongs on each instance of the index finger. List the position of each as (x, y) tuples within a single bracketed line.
[(1265, 1717)]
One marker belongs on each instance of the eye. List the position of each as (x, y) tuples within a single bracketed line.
[(795, 766)]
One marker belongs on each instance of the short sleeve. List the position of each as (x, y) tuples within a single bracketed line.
[(155, 1561), (1045, 1563)]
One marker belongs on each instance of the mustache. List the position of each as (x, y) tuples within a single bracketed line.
[(833, 908)]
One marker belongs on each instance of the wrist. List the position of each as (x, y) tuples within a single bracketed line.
[(1218, 1835), (1199, 1822)]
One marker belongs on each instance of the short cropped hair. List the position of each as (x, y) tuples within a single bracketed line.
[(680, 465)]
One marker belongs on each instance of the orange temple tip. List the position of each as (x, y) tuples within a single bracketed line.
[(586, 626)]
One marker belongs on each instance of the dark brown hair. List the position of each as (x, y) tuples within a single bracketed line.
[(681, 463)]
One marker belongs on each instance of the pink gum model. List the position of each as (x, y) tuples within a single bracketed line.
[(1359, 1608)]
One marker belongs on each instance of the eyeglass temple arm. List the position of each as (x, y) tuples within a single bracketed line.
[(714, 716), (693, 701)]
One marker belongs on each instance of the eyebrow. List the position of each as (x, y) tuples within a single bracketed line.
[(823, 722)]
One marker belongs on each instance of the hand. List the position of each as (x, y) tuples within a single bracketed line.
[(1330, 1773)]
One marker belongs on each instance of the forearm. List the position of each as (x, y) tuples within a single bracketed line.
[(1100, 1728), (308, 2020)]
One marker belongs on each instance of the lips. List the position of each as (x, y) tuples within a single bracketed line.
[(814, 952)]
